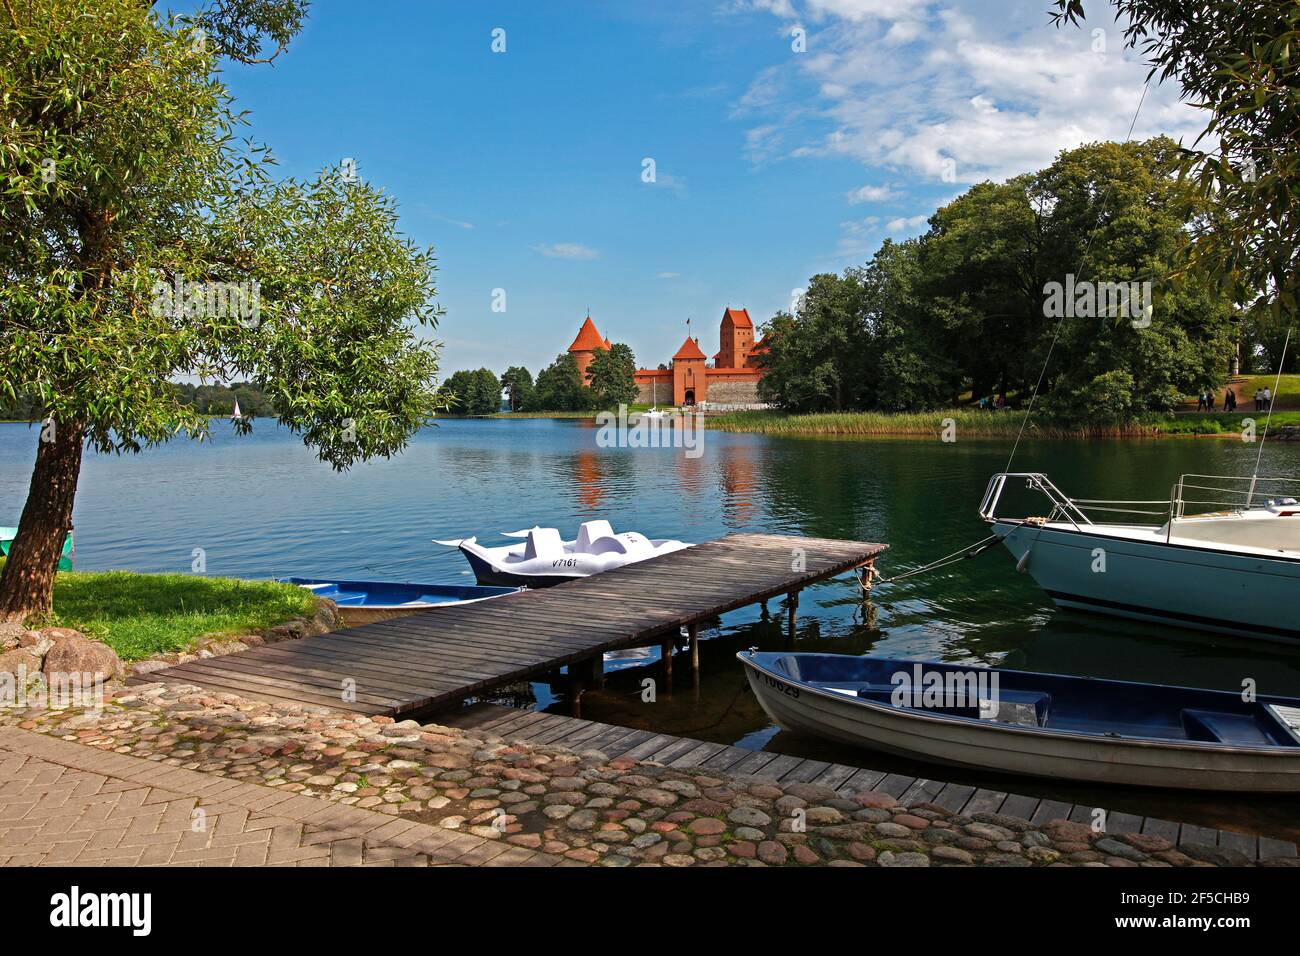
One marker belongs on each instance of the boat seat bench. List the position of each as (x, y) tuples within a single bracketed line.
[(1245, 729)]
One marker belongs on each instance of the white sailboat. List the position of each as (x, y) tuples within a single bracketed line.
[(236, 414)]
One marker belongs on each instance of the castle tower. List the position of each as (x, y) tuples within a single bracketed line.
[(585, 345), (736, 336), (690, 379)]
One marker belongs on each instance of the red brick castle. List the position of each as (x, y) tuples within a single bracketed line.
[(732, 379)]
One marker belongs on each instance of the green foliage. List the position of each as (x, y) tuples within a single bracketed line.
[(612, 374), (963, 309), (1237, 62), (474, 393), (518, 381), (145, 190), (560, 388), (139, 615)]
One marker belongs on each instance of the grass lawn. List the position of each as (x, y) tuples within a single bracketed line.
[(1287, 397), (143, 614)]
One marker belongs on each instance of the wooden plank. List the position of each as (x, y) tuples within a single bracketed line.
[(697, 756), (1167, 829), (1117, 822), (894, 784), (953, 797), (1271, 849), (1051, 810), (1020, 806), (1191, 833), (984, 801), (921, 791), (834, 776), (863, 780), (1241, 842), (751, 765)]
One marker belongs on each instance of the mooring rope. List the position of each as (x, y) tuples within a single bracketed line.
[(970, 551)]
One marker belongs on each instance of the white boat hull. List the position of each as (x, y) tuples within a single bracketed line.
[(934, 738), (1244, 595)]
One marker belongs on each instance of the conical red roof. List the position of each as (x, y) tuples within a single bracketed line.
[(588, 339), (690, 350)]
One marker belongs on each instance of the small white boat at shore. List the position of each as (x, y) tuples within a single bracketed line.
[(1233, 570), (543, 559)]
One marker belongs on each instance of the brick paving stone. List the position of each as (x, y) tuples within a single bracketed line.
[(65, 803)]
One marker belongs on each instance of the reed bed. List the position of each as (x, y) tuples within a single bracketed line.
[(967, 424)]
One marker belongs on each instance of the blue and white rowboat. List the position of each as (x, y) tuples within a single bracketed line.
[(1045, 725), (364, 602)]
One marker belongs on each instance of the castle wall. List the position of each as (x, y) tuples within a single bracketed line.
[(725, 392)]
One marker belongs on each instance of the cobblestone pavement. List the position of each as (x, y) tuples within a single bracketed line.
[(301, 784), (66, 804)]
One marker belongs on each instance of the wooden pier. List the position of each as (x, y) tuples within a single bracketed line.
[(538, 727), (413, 665)]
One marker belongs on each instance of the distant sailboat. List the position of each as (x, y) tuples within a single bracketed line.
[(236, 415)]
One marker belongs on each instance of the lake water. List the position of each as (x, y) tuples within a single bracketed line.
[(263, 506)]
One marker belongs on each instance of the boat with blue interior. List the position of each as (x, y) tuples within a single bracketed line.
[(365, 602), (1046, 725)]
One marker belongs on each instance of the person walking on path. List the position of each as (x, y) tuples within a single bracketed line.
[(1259, 399), (1229, 400), (1268, 399)]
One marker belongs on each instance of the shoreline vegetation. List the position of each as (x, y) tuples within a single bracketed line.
[(140, 615), (966, 422)]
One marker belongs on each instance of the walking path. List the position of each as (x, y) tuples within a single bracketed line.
[(279, 784), (66, 804)]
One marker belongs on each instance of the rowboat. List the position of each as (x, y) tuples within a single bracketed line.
[(365, 602), (1043, 725), (543, 559), (1231, 567)]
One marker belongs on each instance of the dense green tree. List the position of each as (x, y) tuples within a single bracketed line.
[(982, 261), (560, 387), (907, 369), (474, 393), (819, 359), (612, 374), (123, 184), (518, 382), (1120, 214)]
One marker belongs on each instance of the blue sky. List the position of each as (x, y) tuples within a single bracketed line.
[(524, 169)]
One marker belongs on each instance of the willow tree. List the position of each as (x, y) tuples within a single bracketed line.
[(1240, 64), (140, 239)]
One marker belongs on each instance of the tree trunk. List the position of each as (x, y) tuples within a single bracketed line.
[(27, 583)]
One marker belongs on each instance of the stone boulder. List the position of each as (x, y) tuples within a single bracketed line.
[(11, 634), (73, 653), (37, 642), (18, 661)]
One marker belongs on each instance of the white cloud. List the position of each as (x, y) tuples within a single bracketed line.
[(906, 224), (566, 250), (939, 95), (871, 194), (669, 275)]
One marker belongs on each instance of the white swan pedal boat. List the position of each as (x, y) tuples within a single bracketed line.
[(1045, 725), (543, 559)]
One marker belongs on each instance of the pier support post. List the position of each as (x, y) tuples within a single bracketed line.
[(693, 629), (794, 610), (669, 645)]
